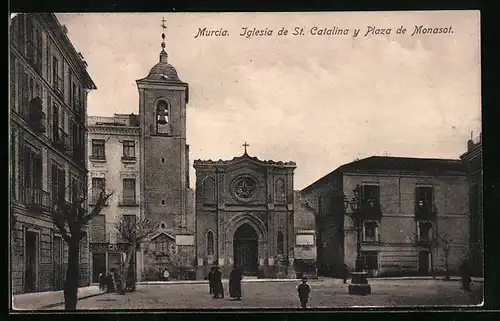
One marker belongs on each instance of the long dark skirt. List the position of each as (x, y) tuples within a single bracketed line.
[(218, 290), (235, 289)]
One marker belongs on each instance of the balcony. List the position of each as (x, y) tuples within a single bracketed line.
[(425, 212), (34, 57), (37, 199), (128, 201), (129, 159), (97, 158), (61, 140), (371, 210)]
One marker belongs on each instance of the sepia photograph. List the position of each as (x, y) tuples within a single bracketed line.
[(245, 160)]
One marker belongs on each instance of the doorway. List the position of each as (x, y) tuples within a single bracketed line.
[(98, 266), (30, 264), (58, 263), (423, 263), (245, 249)]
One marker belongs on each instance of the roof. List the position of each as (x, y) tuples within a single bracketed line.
[(245, 156), (402, 164)]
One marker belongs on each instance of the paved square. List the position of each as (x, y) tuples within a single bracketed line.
[(327, 293)]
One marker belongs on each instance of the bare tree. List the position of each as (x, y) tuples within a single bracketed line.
[(134, 232), (71, 219)]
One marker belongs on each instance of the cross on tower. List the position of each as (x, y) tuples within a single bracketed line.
[(245, 145), (163, 23)]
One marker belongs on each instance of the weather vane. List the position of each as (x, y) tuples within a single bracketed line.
[(163, 33)]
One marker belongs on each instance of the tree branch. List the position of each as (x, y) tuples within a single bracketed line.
[(101, 201)]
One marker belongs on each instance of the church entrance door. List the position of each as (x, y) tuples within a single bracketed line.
[(245, 249)]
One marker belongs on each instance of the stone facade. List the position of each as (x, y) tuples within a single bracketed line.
[(48, 96), (113, 146), (474, 157), (164, 171), (245, 217), (421, 209)]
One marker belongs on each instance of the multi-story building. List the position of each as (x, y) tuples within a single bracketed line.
[(474, 156), (113, 165), (416, 215), (48, 95)]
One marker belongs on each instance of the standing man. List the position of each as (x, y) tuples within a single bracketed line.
[(303, 289), (235, 283), (217, 283), (465, 274), (210, 278)]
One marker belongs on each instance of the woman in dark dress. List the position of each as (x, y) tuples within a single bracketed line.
[(235, 283)]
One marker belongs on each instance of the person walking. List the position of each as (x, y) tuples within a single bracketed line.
[(235, 283), (217, 284), (303, 290)]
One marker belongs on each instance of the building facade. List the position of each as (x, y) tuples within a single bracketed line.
[(417, 215), (164, 170), (113, 144), (245, 218), (474, 157), (48, 96)]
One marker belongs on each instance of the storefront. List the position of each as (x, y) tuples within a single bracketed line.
[(107, 256)]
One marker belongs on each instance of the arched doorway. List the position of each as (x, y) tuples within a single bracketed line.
[(245, 249)]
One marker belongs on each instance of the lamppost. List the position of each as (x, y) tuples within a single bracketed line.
[(359, 282)]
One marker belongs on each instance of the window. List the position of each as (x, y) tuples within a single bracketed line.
[(58, 183), (162, 118), (75, 190), (210, 243), (129, 149), (371, 260), (98, 185), (55, 122), (129, 191), (98, 229), (280, 243), (130, 221), (370, 194), (98, 150), (424, 197), (424, 231), (280, 191), (370, 231)]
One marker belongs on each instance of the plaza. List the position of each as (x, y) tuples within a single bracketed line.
[(325, 294)]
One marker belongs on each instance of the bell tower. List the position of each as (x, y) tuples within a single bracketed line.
[(164, 153)]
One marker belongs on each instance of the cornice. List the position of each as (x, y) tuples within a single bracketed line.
[(245, 157), (113, 130)]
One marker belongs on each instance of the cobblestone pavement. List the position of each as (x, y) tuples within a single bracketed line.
[(328, 293)]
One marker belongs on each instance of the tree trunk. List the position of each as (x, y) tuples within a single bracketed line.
[(72, 276), (126, 267)]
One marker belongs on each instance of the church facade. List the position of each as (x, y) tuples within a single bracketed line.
[(245, 217)]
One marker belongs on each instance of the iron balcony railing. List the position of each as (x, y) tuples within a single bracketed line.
[(129, 158), (37, 199), (128, 201), (425, 212)]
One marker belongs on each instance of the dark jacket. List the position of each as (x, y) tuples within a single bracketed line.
[(303, 289)]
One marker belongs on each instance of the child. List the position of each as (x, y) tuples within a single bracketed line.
[(303, 289)]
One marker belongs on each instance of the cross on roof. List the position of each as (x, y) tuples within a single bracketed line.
[(245, 145)]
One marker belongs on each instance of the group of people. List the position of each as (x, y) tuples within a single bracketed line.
[(215, 283), (112, 281)]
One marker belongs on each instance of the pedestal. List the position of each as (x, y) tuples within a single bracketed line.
[(359, 284)]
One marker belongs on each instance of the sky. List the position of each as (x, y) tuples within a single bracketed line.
[(319, 100)]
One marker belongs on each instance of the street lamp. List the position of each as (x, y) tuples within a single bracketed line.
[(359, 282)]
